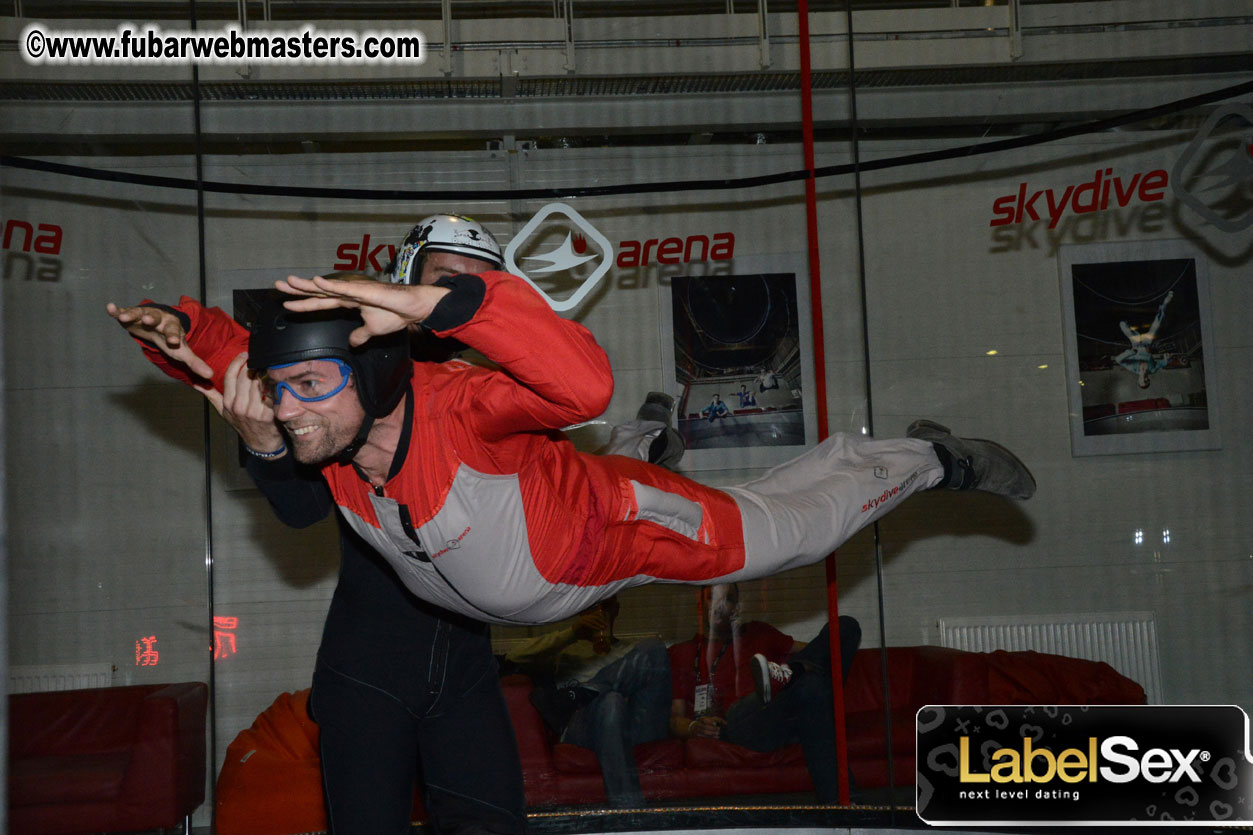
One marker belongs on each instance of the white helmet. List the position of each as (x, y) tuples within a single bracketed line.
[(442, 233)]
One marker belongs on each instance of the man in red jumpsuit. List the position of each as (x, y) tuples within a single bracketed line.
[(456, 475)]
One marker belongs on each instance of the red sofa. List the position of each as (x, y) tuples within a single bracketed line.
[(917, 676), (270, 782), (669, 768), (112, 759), (926, 675)]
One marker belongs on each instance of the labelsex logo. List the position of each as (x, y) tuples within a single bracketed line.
[(1085, 764), (580, 246), (1073, 765)]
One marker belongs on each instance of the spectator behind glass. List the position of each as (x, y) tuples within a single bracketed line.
[(751, 685)]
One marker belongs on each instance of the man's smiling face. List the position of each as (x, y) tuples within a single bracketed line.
[(319, 430)]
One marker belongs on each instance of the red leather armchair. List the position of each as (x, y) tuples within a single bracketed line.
[(112, 759)]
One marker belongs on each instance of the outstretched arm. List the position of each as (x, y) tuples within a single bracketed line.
[(298, 497), (556, 373), (189, 342), (385, 308), (164, 330)]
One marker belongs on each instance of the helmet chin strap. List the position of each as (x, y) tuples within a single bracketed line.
[(349, 452)]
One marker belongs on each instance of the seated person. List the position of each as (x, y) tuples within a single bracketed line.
[(716, 409), (766, 692), (600, 692), (747, 398)]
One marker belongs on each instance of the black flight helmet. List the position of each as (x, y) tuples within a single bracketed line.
[(381, 366)]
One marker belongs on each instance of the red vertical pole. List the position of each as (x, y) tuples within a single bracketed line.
[(820, 378), (811, 222)]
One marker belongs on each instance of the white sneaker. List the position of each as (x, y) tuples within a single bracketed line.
[(769, 677)]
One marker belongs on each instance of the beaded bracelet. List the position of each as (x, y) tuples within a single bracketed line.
[(275, 454)]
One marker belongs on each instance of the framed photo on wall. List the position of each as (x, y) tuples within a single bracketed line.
[(739, 363), (1139, 348)]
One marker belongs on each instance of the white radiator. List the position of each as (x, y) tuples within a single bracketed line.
[(42, 678), (1127, 641)]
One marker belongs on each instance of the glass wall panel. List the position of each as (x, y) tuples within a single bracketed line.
[(1069, 294), (990, 250), (108, 532), (279, 582)]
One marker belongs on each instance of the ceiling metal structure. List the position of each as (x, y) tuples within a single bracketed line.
[(612, 67), (300, 10)]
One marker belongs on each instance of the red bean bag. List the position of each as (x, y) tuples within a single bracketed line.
[(271, 781)]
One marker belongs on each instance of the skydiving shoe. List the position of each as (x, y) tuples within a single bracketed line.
[(668, 447), (974, 464), (770, 677), (657, 406)]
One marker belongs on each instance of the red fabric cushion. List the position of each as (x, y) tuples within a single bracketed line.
[(75, 722), (660, 755), (867, 739), (66, 819), (1040, 679), (574, 759), (714, 753), (79, 778)]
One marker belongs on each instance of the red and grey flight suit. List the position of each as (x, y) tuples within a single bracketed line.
[(490, 513)]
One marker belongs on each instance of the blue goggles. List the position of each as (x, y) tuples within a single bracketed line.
[(274, 391)]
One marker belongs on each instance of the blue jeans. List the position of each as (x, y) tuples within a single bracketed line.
[(801, 712), (633, 707)]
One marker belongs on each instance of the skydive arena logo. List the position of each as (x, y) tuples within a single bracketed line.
[(560, 254), (1164, 765), (1214, 174)]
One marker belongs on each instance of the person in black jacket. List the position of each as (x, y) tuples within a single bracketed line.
[(402, 689)]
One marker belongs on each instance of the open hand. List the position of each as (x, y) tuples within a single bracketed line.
[(163, 330), (707, 727), (590, 624), (385, 308)]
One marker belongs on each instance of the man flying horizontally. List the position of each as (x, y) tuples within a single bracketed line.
[(456, 476)]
